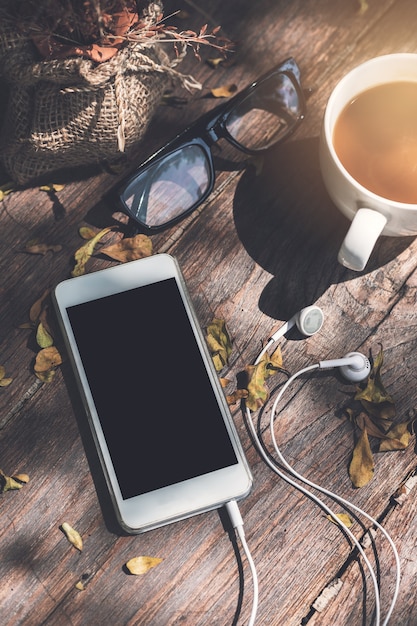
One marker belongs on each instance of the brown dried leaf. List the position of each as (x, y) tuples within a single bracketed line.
[(37, 307), (237, 395), (21, 478), (225, 91), (72, 535), (361, 468), (83, 254), (35, 247), (129, 249), (46, 361), (142, 564)]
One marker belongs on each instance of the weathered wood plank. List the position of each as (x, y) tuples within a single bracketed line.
[(262, 247)]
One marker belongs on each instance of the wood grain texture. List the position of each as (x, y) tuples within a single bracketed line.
[(263, 246)]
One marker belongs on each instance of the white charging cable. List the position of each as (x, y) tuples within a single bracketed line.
[(237, 523), (353, 364)]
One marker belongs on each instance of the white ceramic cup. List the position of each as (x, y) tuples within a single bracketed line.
[(371, 215)]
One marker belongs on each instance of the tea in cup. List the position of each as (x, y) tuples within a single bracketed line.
[(368, 153)]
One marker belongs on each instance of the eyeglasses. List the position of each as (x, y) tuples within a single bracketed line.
[(175, 180)]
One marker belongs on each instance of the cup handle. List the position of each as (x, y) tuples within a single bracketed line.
[(361, 237)]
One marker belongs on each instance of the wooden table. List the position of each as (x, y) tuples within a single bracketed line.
[(262, 247)]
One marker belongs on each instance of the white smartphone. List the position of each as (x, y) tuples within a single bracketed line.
[(163, 430)]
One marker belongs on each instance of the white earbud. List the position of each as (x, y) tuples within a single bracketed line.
[(355, 367), (308, 321)]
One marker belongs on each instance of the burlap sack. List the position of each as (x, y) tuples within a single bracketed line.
[(74, 112)]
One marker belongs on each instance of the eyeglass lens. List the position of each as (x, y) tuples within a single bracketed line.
[(272, 108), (171, 186)]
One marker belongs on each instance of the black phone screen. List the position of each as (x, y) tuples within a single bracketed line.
[(156, 405)]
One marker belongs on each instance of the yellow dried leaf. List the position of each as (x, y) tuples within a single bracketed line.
[(8, 483), (4, 382), (361, 468), (374, 397), (225, 91), (397, 438), (129, 249), (79, 585), (343, 517), (5, 190), (258, 374), (214, 63), (86, 232), (219, 343), (43, 337), (72, 535), (83, 254), (52, 187), (142, 564), (363, 6)]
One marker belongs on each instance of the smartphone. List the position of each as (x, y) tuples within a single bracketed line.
[(162, 427)]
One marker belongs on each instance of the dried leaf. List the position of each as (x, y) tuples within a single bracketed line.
[(374, 398), (21, 478), (43, 337), (214, 63), (86, 232), (5, 190), (10, 483), (83, 254), (52, 187), (46, 361), (34, 247), (363, 6), (72, 535), (219, 343), (237, 395), (79, 585), (129, 249), (37, 307), (258, 392), (4, 382), (343, 517), (397, 438), (361, 468), (225, 91), (142, 564)]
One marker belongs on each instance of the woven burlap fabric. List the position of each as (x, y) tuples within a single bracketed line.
[(74, 112)]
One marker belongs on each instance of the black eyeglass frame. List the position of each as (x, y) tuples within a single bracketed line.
[(206, 131)]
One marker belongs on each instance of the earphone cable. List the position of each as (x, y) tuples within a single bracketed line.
[(322, 505), (331, 494), (237, 523)]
